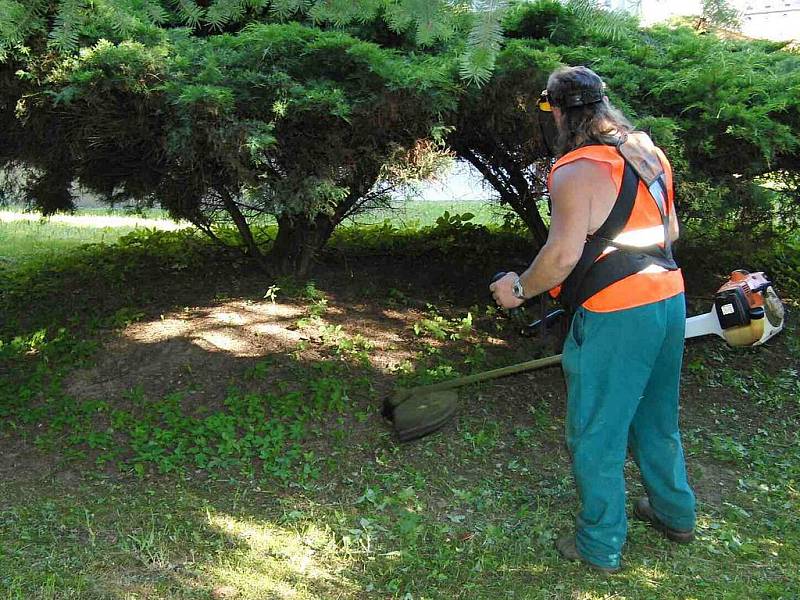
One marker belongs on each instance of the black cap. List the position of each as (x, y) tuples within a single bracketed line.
[(577, 86)]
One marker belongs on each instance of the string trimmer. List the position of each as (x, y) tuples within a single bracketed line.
[(746, 312)]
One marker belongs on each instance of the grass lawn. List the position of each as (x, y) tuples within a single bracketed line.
[(417, 213), (24, 234), (175, 425)]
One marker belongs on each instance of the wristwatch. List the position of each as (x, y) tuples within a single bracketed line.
[(517, 290)]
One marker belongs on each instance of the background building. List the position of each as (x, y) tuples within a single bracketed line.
[(769, 19), (655, 11)]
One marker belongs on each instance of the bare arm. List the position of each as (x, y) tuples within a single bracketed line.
[(574, 186)]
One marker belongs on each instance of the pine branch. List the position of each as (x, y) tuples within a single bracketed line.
[(345, 12), (397, 18), (487, 32), (434, 20), (189, 12), (124, 16), (721, 14), (484, 41), (65, 34), (156, 13), (283, 9), (17, 21), (222, 12), (611, 24)]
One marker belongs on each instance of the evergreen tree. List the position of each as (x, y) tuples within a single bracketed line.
[(288, 120)]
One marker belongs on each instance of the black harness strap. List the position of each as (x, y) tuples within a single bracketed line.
[(593, 273)]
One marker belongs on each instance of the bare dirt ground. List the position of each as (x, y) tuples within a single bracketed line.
[(208, 348)]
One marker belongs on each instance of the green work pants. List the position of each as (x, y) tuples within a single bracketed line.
[(623, 375)]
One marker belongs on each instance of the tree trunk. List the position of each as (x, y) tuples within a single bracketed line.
[(300, 238), (241, 224), (525, 205), (515, 192), (298, 241)]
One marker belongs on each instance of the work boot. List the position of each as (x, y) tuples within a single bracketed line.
[(567, 549), (644, 512)]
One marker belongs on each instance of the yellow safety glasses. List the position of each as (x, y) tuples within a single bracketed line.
[(544, 102)]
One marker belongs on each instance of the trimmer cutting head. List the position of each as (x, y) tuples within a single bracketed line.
[(422, 414)]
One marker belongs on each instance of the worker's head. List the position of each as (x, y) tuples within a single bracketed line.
[(582, 112)]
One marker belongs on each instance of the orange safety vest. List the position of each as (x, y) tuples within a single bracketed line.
[(643, 228)]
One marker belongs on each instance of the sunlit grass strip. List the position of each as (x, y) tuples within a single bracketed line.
[(95, 221), (281, 562), (27, 235)]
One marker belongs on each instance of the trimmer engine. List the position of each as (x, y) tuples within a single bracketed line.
[(747, 311)]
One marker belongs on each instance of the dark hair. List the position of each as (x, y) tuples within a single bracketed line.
[(588, 116)]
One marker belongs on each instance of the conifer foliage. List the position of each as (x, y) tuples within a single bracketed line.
[(67, 22)]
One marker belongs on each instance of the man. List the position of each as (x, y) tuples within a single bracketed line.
[(609, 256)]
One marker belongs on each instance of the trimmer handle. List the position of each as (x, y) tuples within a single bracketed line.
[(548, 321), (498, 276), (518, 314), (514, 313)]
